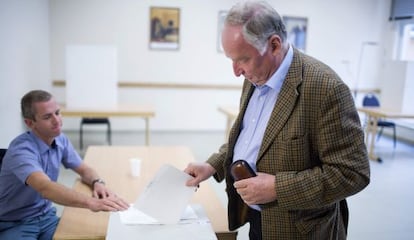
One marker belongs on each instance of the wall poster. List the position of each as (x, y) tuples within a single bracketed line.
[(296, 28), (164, 28)]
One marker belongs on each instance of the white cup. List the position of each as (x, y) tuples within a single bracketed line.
[(135, 166)]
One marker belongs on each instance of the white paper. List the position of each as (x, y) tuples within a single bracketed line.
[(133, 216), (166, 196)]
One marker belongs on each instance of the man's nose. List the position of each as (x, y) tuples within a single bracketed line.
[(55, 118), (237, 70)]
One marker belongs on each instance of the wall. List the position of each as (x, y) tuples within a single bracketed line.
[(24, 59), (30, 59), (398, 86), (333, 36)]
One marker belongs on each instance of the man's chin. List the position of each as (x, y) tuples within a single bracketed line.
[(57, 132)]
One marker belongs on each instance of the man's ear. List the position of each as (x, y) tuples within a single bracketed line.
[(28, 122), (275, 43)]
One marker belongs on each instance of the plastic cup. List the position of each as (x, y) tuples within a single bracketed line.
[(135, 166)]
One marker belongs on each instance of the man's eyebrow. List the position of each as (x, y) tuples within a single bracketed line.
[(46, 115)]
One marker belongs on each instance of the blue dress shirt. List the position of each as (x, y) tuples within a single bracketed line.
[(257, 115), (28, 154)]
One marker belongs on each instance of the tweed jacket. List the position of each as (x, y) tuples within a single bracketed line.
[(314, 145)]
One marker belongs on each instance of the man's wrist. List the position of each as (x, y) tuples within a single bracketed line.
[(98, 180)]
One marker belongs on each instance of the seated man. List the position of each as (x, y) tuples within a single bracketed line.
[(30, 170)]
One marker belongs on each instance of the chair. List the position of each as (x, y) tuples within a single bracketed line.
[(2, 153), (89, 121), (370, 100)]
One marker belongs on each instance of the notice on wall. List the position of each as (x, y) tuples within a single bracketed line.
[(91, 76)]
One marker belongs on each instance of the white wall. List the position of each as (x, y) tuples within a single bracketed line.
[(336, 30), (398, 87), (24, 59)]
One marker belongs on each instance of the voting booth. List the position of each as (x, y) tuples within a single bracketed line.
[(91, 82), (91, 76)]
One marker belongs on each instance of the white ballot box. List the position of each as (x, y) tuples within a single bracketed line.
[(162, 212), (189, 227)]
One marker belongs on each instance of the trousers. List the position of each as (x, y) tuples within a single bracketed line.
[(37, 228)]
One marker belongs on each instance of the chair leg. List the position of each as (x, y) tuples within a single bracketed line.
[(97, 121), (81, 136), (108, 133), (380, 133), (395, 137)]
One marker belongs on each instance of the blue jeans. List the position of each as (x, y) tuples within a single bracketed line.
[(38, 228)]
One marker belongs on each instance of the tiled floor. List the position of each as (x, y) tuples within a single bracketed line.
[(382, 211)]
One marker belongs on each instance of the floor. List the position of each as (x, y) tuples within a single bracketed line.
[(382, 211)]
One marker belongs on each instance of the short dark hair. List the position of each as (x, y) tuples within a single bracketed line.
[(31, 97)]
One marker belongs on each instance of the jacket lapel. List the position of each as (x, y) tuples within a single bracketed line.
[(285, 104)]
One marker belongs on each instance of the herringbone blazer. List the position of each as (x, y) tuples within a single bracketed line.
[(314, 145)]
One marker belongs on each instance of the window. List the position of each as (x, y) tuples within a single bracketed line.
[(405, 40)]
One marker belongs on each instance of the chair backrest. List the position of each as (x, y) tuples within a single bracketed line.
[(2, 153), (370, 100)]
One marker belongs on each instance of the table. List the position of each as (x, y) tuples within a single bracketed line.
[(231, 113), (112, 164), (146, 112), (373, 115)]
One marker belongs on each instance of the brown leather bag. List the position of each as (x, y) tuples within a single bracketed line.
[(240, 169)]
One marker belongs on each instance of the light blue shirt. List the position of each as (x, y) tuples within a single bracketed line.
[(257, 115), (28, 154)]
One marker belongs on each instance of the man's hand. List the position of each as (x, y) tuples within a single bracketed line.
[(257, 190), (200, 172), (101, 191), (111, 203)]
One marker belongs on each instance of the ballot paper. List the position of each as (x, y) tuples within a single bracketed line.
[(166, 196), (133, 216)]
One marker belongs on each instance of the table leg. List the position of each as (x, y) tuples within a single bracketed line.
[(368, 129), (373, 123)]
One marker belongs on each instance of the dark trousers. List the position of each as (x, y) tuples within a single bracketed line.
[(254, 217)]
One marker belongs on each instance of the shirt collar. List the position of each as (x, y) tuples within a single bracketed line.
[(276, 80), (43, 147)]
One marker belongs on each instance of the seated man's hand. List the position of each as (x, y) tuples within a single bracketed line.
[(111, 203), (101, 191)]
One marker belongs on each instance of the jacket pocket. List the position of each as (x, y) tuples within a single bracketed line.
[(288, 154), (307, 220)]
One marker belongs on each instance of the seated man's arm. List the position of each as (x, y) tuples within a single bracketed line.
[(60, 194), (89, 177)]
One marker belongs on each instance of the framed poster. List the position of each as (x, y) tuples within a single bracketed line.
[(221, 16), (164, 28), (296, 28)]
